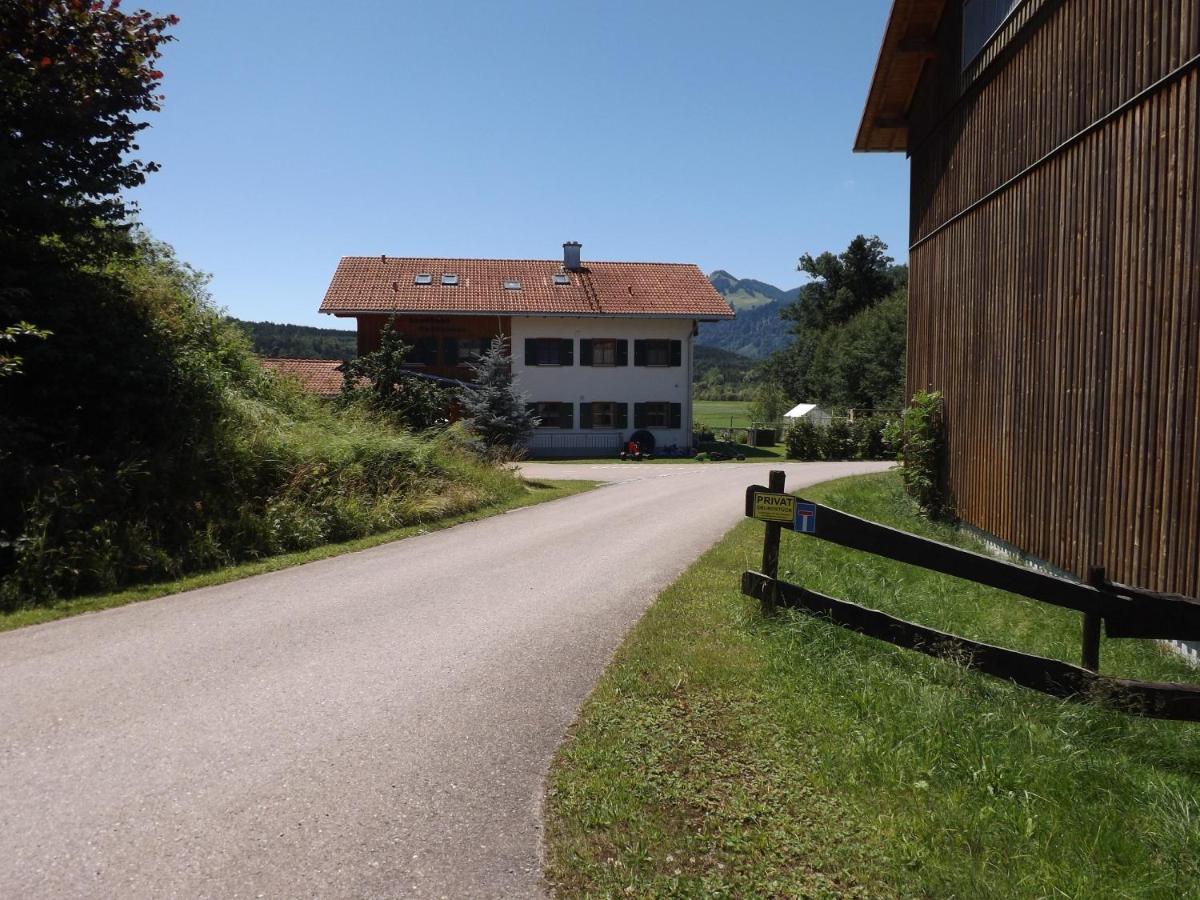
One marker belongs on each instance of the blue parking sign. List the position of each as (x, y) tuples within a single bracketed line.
[(806, 518)]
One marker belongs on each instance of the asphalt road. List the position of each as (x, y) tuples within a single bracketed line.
[(374, 725)]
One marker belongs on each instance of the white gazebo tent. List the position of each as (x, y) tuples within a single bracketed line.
[(809, 411)]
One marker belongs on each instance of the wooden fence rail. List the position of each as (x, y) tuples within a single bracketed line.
[(1125, 611)]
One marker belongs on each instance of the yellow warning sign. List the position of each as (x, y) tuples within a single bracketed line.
[(774, 507)]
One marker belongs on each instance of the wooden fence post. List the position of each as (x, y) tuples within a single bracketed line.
[(1091, 626), (770, 560)]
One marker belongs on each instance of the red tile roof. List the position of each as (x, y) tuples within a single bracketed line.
[(318, 376), (364, 284)]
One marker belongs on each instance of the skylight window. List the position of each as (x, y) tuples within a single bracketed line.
[(512, 284), (561, 278), (422, 278), (449, 278)]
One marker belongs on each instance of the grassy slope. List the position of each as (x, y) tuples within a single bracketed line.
[(534, 492), (725, 755)]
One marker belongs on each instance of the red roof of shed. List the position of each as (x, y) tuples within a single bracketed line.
[(366, 284), (317, 376)]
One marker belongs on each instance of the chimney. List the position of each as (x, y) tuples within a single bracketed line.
[(571, 256)]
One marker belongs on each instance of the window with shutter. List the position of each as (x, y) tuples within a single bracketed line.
[(549, 352), (551, 412), (604, 352), (656, 415), (653, 353), (603, 414)]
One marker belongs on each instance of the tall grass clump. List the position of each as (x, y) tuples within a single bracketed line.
[(143, 441)]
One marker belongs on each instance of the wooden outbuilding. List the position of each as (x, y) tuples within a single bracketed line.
[(1054, 267)]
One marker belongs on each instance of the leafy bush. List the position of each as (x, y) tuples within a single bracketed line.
[(839, 440), (920, 439), (805, 440)]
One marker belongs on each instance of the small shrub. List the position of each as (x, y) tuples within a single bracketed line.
[(804, 440), (921, 438), (839, 440)]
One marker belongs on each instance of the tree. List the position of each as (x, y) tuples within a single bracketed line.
[(74, 78), (494, 410), (848, 328), (843, 284), (769, 404), (414, 401)]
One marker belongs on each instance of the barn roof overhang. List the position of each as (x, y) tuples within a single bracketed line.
[(908, 43)]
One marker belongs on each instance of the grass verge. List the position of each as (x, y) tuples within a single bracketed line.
[(724, 755), (535, 492)]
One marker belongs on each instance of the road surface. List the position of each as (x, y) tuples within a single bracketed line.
[(378, 724)]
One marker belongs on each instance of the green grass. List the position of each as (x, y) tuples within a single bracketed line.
[(719, 413), (535, 492), (725, 755)]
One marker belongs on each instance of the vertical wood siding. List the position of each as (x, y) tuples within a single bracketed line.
[(1061, 317)]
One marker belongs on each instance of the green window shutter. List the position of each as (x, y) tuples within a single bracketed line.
[(622, 352), (677, 353), (639, 415), (676, 415), (621, 414), (585, 352), (566, 415), (450, 351), (530, 352), (585, 415), (639, 354), (567, 353)]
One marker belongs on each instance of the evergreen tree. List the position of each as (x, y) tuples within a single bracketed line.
[(495, 411)]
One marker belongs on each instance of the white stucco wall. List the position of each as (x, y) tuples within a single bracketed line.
[(629, 384)]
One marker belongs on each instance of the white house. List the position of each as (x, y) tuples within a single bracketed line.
[(603, 350)]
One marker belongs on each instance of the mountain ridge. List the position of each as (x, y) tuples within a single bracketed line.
[(758, 330)]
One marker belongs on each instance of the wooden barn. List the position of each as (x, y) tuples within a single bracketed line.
[(1055, 267)]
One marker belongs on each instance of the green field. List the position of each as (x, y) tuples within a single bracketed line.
[(721, 413)]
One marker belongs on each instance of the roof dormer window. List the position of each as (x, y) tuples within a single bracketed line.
[(512, 284), (449, 278), (562, 278), (422, 278)]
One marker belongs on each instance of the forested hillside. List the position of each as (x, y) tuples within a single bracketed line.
[(298, 341), (757, 331)]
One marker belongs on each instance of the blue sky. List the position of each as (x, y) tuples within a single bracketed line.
[(709, 132)]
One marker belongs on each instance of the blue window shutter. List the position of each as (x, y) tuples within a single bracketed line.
[(566, 415), (585, 352), (566, 356), (639, 415), (621, 416), (622, 352), (585, 415), (531, 352), (677, 353), (676, 415)]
